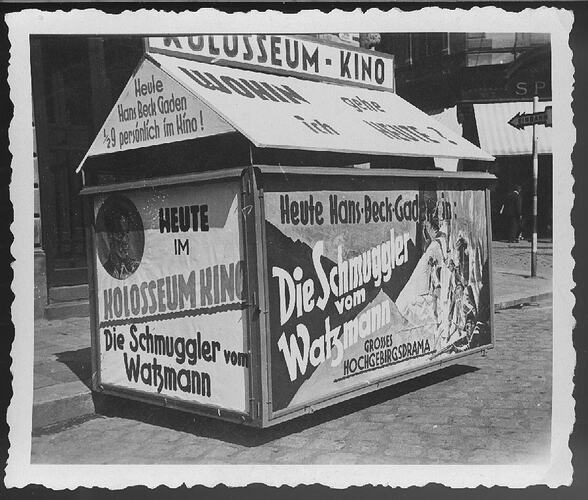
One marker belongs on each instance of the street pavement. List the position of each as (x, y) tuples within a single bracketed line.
[(511, 263), (518, 256), (62, 368), (488, 409), (484, 402), (492, 409)]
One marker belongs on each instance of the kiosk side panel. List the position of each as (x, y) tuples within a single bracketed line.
[(170, 305), (371, 280)]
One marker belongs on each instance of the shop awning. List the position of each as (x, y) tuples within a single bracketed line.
[(171, 99), (501, 139)]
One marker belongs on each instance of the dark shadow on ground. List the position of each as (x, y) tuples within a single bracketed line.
[(79, 362), (110, 406)]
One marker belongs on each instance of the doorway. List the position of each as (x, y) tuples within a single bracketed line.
[(74, 81)]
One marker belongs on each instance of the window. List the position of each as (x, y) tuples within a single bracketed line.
[(489, 58)]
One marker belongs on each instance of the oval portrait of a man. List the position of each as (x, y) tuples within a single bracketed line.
[(120, 238)]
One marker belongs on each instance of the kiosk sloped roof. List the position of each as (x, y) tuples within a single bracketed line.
[(170, 99)]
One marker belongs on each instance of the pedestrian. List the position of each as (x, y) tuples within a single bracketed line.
[(513, 212)]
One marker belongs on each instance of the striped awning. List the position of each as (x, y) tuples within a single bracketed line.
[(499, 138)]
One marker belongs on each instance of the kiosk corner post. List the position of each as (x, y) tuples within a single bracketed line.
[(91, 259), (262, 296), (490, 269), (254, 297), (535, 175)]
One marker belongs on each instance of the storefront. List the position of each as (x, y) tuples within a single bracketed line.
[(242, 268), (513, 149)]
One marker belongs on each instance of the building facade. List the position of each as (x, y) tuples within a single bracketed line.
[(75, 81), (484, 79)]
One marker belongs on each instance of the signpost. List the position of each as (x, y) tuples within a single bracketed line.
[(520, 121)]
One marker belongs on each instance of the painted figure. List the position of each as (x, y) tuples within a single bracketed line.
[(120, 264)]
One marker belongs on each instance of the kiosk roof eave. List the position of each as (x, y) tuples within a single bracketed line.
[(209, 175), (380, 172)]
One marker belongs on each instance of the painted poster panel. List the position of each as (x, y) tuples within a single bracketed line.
[(154, 109), (284, 112), (170, 305), (367, 284), (284, 54)]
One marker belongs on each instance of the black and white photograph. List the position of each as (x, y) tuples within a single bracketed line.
[(311, 239)]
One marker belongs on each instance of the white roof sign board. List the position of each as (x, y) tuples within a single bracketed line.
[(298, 56), (284, 112)]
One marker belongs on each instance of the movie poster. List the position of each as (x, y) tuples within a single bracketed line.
[(365, 285), (170, 306)]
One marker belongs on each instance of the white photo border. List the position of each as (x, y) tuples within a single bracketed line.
[(20, 472)]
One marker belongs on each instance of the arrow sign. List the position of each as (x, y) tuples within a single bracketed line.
[(522, 120)]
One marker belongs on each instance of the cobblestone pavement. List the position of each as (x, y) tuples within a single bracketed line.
[(518, 256), (487, 410)]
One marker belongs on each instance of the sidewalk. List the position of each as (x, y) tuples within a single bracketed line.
[(62, 369), (511, 265)]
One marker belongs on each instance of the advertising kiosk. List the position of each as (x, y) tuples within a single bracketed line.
[(241, 267)]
